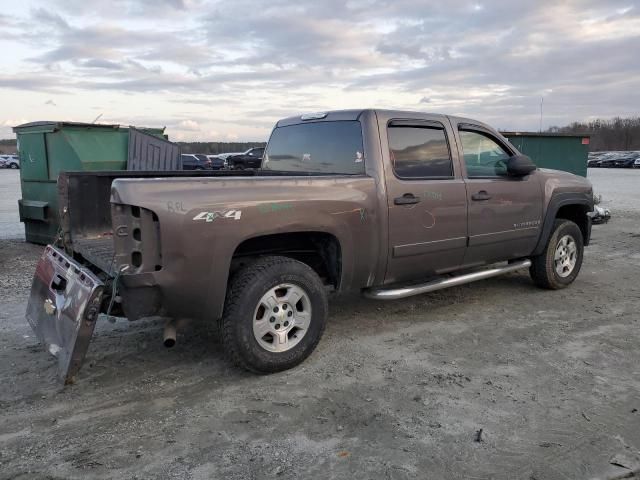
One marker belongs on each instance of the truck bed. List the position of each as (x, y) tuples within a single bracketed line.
[(85, 208), (98, 250)]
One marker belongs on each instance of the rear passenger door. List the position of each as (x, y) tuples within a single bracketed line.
[(426, 198), (504, 212)]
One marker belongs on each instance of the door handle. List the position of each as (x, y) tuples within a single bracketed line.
[(481, 195), (406, 199)]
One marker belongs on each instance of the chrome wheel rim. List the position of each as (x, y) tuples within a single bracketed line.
[(565, 257), (282, 318)]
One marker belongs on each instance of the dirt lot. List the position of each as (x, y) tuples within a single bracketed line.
[(395, 390)]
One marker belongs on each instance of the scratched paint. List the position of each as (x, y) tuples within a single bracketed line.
[(428, 219), (361, 211)]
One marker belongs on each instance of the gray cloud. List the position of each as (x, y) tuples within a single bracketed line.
[(48, 18), (101, 63), (31, 82), (118, 8), (492, 59)]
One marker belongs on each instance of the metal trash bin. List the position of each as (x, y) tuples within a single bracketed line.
[(48, 148), (559, 151)]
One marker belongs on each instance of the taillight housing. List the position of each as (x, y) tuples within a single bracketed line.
[(136, 238)]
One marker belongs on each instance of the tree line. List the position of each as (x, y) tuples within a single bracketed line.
[(614, 134), (8, 146)]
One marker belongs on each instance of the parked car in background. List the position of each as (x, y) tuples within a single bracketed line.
[(9, 161), (623, 159), (636, 163), (226, 155), (252, 158), (594, 159), (217, 163), (629, 160), (195, 161)]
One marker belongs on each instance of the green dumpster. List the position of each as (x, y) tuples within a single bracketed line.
[(48, 148), (559, 151)]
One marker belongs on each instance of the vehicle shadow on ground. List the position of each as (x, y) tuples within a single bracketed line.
[(137, 346)]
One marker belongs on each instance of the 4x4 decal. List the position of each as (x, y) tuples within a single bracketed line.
[(211, 216)]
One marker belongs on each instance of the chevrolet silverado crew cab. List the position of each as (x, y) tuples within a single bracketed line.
[(389, 203)]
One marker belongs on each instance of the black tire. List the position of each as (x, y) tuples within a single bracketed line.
[(543, 271), (243, 296), (14, 166)]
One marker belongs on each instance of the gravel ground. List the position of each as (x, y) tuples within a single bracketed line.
[(496, 379)]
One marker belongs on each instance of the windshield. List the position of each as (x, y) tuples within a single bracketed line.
[(318, 147)]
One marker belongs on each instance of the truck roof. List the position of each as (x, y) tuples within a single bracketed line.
[(354, 114)]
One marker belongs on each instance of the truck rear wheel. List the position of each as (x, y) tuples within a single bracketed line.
[(559, 264), (274, 316)]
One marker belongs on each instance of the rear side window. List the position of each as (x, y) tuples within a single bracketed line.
[(419, 152), (318, 147)]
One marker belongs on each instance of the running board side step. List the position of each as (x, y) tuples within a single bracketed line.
[(380, 293)]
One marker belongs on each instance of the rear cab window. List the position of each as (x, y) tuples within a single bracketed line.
[(333, 147)]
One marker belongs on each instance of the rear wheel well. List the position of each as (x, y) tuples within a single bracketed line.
[(320, 250), (577, 214)]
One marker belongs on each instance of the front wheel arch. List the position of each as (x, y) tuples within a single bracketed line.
[(567, 206)]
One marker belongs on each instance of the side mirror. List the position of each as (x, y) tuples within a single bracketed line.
[(520, 165)]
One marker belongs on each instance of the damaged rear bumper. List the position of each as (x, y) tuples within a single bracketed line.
[(63, 308)]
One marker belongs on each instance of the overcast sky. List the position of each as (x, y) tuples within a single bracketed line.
[(226, 70)]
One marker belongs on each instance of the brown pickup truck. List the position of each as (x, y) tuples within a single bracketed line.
[(388, 203)]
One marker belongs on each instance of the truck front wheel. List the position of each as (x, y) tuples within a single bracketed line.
[(559, 264), (274, 316)]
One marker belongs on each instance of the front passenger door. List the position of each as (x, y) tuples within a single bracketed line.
[(505, 213)]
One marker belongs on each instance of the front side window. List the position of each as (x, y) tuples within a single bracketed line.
[(419, 152), (482, 155), (317, 147)]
